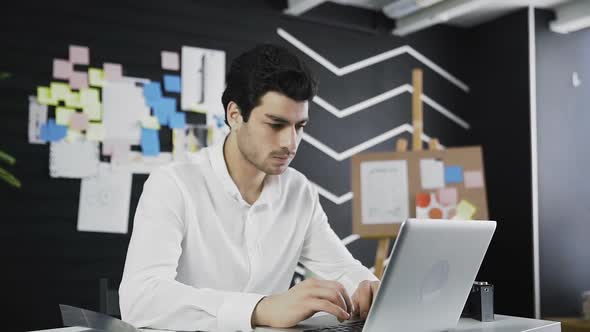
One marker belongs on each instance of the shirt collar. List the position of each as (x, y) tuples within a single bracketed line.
[(271, 190)]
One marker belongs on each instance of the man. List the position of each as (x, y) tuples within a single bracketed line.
[(216, 239)]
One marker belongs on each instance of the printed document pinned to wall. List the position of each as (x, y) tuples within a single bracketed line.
[(385, 192), (203, 82), (104, 201), (37, 118), (123, 108)]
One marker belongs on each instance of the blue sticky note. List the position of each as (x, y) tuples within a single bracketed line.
[(59, 132), (46, 131), (152, 91), (172, 83), (453, 174), (163, 109), (52, 132), (178, 120), (150, 142)]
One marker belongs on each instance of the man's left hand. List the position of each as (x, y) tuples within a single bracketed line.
[(363, 297)]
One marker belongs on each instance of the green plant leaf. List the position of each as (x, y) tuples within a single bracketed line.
[(7, 158), (9, 178)]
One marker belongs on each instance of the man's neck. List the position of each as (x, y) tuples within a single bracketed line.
[(246, 176)]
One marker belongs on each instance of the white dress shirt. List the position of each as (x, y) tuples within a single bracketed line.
[(201, 258)]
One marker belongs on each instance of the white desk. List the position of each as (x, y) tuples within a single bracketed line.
[(501, 324)]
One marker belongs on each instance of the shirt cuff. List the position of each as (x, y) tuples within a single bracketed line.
[(235, 314)]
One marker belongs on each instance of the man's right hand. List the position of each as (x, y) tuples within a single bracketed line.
[(301, 302)]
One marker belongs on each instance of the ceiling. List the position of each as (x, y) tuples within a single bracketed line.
[(481, 11)]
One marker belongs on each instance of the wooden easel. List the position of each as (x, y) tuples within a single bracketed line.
[(402, 146)]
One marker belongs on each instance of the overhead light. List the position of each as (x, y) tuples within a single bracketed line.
[(400, 8), (438, 13), (571, 16)]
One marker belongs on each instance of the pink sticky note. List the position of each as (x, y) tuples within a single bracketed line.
[(113, 71), (79, 80), (79, 121), (447, 196), (473, 179), (62, 69), (170, 60), (79, 55)]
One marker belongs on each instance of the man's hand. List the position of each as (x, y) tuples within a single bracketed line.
[(301, 302), (363, 297)]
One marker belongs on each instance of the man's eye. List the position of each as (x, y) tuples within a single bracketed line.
[(276, 125), (299, 127)]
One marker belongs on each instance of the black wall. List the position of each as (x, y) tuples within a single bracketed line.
[(501, 122), (564, 193), (46, 261)]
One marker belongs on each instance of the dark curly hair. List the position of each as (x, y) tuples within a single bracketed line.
[(262, 69)]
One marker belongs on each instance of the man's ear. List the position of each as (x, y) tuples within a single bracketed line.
[(234, 116)]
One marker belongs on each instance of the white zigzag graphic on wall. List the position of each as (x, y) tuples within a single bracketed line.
[(406, 49), (339, 156), (363, 105)]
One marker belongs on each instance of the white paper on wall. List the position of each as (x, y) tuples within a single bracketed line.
[(104, 201), (137, 163), (77, 159), (123, 108), (432, 173), (384, 190), (203, 82), (37, 118)]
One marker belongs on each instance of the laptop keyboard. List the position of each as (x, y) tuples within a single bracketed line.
[(355, 326)]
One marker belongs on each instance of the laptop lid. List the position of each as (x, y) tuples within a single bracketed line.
[(431, 270)]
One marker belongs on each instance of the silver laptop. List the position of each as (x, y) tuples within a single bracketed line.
[(432, 267)]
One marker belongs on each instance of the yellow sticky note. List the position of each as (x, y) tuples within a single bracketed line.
[(465, 210), (94, 112), (95, 77), (44, 96), (60, 91), (63, 115), (74, 135), (89, 96), (95, 132), (73, 100), (150, 122)]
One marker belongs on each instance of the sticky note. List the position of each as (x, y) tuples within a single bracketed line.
[(178, 120), (74, 135), (150, 142), (93, 111), (59, 91), (473, 179), (447, 196), (432, 173), (163, 109), (465, 210), (113, 71), (79, 55), (78, 121), (89, 96), (453, 174), (44, 96), (52, 132), (150, 122), (152, 92), (95, 132), (73, 100), (95, 77), (78, 80), (62, 69), (172, 83), (170, 60), (63, 115)]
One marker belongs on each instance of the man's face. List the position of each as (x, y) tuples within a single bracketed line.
[(270, 138)]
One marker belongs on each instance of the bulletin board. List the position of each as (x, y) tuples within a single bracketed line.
[(390, 187)]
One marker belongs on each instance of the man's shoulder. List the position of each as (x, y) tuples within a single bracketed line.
[(193, 165)]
